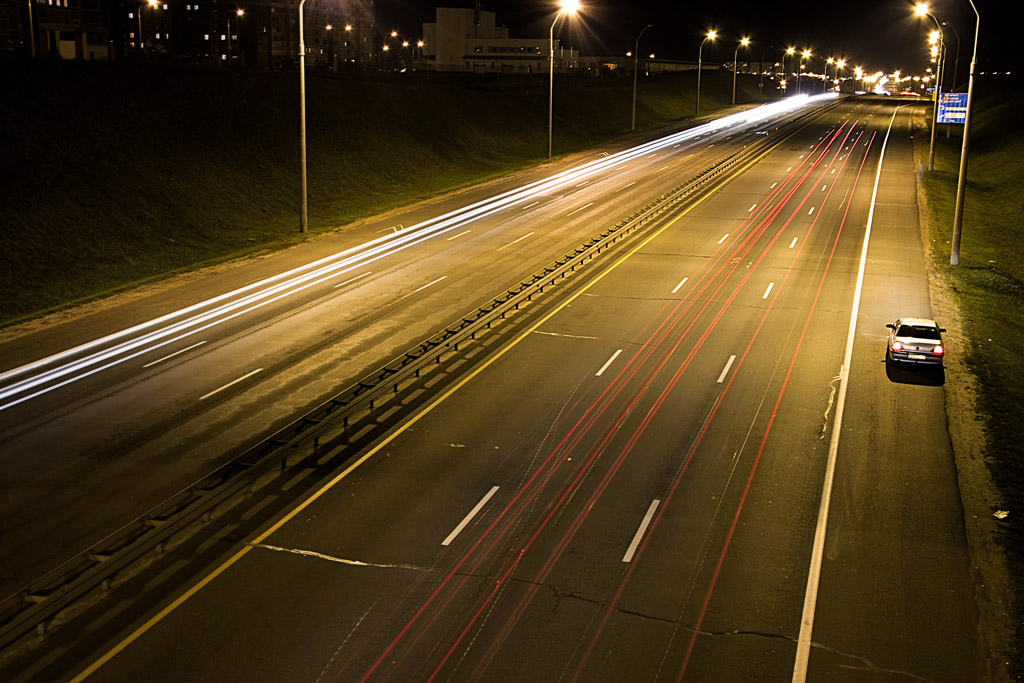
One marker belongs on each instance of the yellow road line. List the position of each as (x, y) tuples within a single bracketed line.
[(244, 550)]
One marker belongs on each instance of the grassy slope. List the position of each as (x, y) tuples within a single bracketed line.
[(118, 173), (989, 289)]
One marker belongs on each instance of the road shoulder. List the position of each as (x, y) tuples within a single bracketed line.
[(979, 496)]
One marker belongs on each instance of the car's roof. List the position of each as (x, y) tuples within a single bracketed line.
[(922, 322)]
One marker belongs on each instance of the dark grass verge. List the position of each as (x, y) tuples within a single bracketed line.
[(115, 174), (988, 288)]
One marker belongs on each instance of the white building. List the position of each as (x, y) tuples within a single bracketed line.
[(462, 39)]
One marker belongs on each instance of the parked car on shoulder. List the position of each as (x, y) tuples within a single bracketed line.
[(915, 341)]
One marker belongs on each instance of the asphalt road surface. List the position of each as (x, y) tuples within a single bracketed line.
[(695, 466), (107, 414)]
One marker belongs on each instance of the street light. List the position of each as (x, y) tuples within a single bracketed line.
[(958, 217), (565, 7), (636, 62), (303, 221), (921, 10), (710, 36), (760, 83), (240, 13), (789, 51), (805, 55), (152, 3), (841, 64), (956, 61), (827, 62), (743, 43)]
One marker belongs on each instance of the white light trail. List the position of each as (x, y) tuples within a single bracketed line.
[(73, 364)]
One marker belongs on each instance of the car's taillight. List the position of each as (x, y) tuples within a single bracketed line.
[(938, 350), (897, 346)]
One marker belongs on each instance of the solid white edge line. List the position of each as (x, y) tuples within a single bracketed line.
[(681, 283), (635, 543), (428, 284), (803, 645), (172, 355), (725, 370), (231, 384), (607, 363), (468, 518), (768, 291)]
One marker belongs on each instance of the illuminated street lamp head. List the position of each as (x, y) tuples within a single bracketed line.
[(790, 50), (348, 27), (933, 37), (568, 6), (419, 43), (807, 54), (329, 27), (240, 12), (405, 43), (154, 3), (921, 9), (712, 35), (394, 34), (386, 48), (745, 41)]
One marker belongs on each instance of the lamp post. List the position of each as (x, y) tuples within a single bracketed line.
[(840, 64), (956, 60), (636, 64), (240, 13), (743, 43), (958, 217), (921, 10), (304, 223), (760, 83), (806, 54), (710, 36), (565, 7), (785, 74), (956, 67), (139, 41), (828, 61)]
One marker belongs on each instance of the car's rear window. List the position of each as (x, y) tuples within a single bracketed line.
[(918, 332)]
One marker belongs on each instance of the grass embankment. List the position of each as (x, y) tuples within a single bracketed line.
[(988, 286), (120, 173)]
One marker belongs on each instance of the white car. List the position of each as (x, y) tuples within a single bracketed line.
[(915, 341)]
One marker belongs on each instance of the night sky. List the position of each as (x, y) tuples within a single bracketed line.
[(874, 34)]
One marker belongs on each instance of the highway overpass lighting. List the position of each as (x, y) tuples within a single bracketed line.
[(710, 36), (568, 7), (744, 42)]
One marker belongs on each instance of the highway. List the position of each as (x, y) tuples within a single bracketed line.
[(113, 410), (692, 464)]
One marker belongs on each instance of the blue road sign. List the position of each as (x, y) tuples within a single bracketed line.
[(952, 107)]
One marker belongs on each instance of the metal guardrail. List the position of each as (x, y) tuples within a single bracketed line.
[(32, 608)]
